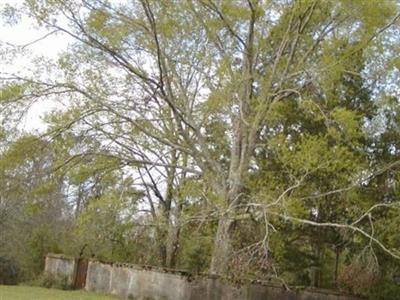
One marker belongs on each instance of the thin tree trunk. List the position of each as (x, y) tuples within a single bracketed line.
[(337, 265), (317, 269)]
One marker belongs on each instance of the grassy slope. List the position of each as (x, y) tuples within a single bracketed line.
[(36, 293)]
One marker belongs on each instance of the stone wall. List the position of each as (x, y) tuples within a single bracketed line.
[(213, 289), (151, 283), (62, 266), (144, 283), (137, 282)]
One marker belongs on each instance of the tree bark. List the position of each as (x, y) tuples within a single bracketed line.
[(337, 265), (222, 246), (162, 236), (173, 246)]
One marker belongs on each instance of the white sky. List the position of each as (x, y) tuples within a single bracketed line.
[(21, 34)]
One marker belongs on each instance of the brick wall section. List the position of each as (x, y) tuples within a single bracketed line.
[(151, 283)]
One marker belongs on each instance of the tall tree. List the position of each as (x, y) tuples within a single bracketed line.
[(192, 86)]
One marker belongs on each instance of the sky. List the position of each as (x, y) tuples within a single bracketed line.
[(25, 32)]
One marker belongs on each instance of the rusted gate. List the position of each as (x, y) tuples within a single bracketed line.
[(81, 272)]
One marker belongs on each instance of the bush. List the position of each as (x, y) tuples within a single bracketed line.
[(52, 281), (357, 277), (8, 271), (384, 290)]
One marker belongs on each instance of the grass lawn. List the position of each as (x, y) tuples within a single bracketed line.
[(37, 293)]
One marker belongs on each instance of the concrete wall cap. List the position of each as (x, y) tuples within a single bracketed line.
[(60, 256)]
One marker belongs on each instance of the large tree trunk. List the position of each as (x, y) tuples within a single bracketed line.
[(162, 248), (168, 238), (222, 252), (243, 142), (222, 246), (173, 245)]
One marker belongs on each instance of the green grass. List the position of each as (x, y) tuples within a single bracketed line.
[(36, 293)]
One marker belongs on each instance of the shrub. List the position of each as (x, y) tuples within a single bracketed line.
[(8, 271), (356, 278), (384, 290), (52, 281)]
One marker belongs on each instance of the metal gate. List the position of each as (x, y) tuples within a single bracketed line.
[(81, 272)]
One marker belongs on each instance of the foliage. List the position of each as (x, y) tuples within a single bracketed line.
[(384, 290)]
